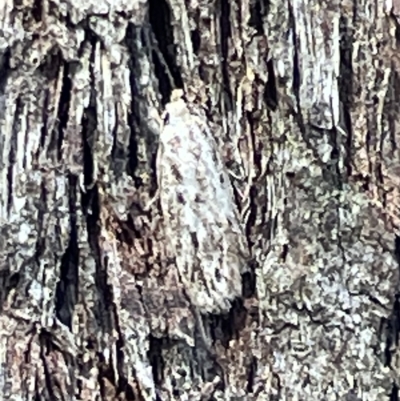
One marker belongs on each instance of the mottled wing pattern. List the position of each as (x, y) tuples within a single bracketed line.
[(200, 216)]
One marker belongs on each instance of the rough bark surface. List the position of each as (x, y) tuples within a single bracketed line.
[(303, 97)]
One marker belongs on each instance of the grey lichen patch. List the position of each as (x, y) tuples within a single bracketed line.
[(324, 283)]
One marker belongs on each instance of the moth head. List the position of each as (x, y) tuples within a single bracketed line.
[(176, 107), (176, 95)]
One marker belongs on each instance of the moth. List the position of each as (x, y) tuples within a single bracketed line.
[(200, 216)]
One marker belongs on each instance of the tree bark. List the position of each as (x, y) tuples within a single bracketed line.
[(303, 98)]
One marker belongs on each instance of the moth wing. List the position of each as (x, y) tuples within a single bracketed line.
[(200, 215)]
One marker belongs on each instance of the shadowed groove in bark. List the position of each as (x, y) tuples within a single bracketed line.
[(131, 37), (270, 92), (196, 41), (89, 125), (156, 361), (346, 85), (296, 68), (391, 100), (394, 395), (45, 344), (390, 328), (160, 25), (258, 11), (224, 11), (12, 155), (4, 74), (67, 287), (37, 10), (64, 104)]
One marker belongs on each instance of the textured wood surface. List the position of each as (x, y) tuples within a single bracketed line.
[(302, 97)]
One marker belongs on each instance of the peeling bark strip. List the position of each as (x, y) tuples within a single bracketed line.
[(302, 99)]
